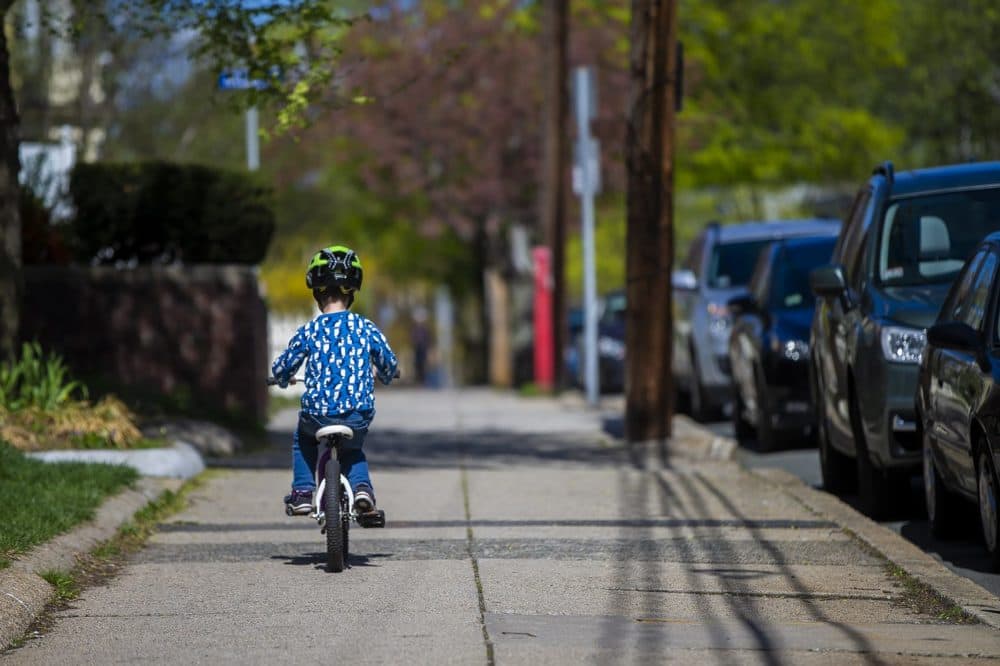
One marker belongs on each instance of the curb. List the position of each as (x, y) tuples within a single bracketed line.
[(180, 461), (24, 594), (966, 594)]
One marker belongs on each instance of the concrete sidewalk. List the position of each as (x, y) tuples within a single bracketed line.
[(518, 532)]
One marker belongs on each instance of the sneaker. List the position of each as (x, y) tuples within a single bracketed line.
[(299, 502), (364, 500)]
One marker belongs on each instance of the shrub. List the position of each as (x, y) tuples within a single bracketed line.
[(159, 212), (36, 380)]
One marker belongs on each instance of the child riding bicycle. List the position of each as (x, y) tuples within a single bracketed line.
[(340, 350)]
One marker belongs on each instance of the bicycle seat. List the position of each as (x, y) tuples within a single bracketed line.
[(335, 431)]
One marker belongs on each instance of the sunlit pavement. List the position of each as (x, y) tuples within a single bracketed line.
[(964, 555), (518, 532)]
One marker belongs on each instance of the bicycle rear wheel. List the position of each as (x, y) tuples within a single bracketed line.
[(335, 543)]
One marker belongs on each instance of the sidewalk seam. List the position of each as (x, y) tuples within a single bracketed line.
[(469, 539)]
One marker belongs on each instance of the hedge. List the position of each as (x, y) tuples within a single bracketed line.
[(160, 212)]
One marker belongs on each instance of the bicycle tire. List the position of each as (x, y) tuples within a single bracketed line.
[(335, 546)]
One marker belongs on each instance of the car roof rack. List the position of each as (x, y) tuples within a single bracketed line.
[(885, 169)]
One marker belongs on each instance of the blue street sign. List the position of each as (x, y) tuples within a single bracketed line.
[(239, 79)]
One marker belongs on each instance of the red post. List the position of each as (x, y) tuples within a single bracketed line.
[(545, 354)]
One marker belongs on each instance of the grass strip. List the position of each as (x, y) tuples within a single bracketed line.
[(106, 560), (40, 500)]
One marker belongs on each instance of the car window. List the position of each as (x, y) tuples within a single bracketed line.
[(614, 309), (732, 264), (926, 239), (790, 284), (952, 308), (973, 310)]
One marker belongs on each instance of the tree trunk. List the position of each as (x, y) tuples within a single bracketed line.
[(555, 40), (649, 161), (10, 218)]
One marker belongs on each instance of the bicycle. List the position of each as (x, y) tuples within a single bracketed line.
[(334, 511)]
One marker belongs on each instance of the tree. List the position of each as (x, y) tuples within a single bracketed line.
[(291, 44), (649, 148)]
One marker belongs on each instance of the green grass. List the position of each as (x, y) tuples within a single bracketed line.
[(40, 500)]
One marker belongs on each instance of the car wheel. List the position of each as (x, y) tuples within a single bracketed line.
[(875, 486), (766, 435), (743, 430), (837, 469), (989, 516), (942, 509), (700, 409)]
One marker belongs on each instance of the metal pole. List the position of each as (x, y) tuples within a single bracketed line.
[(253, 139), (584, 99)]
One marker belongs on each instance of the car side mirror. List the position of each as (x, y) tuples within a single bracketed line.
[(828, 281), (684, 280), (954, 335), (741, 304)]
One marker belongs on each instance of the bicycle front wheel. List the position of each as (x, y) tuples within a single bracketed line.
[(335, 546)]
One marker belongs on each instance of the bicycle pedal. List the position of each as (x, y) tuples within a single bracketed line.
[(372, 519)]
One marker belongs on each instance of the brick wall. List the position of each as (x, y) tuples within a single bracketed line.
[(196, 330)]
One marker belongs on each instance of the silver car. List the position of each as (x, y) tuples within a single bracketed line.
[(718, 267)]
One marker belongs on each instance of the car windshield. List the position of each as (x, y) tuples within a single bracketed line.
[(928, 238), (732, 264), (614, 308), (790, 284)]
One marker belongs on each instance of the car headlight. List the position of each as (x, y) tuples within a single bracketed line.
[(903, 345), (611, 347), (719, 321), (795, 350)]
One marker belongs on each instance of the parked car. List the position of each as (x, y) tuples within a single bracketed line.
[(610, 345), (717, 268), (903, 242), (958, 398), (769, 348)]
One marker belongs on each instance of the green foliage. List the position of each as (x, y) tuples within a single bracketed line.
[(67, 587), (62, 495), (160, 212), (36, 380), (787, 92)]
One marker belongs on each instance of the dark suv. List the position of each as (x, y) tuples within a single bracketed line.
[(904, 241)]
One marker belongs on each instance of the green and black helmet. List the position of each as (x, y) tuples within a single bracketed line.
[(335, 267)]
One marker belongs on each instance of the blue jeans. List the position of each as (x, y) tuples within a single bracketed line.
[(305, 451)]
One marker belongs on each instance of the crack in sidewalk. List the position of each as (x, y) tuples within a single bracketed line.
[(470, 549)]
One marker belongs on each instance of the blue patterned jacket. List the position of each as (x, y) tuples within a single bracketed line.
[(339, 349)]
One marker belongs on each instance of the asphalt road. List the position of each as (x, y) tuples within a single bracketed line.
[(964, 555)]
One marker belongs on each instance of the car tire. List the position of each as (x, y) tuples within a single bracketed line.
[(838, 470), (743, 431), (875, 486), (942, 504), (696, 393), (988, 493), (767, 437)]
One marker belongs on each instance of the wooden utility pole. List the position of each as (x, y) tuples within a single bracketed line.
[(650, 234), (555, 38)]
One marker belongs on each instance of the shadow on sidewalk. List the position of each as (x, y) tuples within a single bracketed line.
[(394, 449), (686, 496)]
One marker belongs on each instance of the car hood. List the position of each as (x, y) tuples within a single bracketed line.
[(793, 324), (913, 306)]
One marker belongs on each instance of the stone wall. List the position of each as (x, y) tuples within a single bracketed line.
[(195, 331)]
